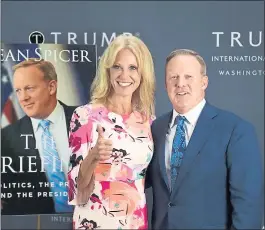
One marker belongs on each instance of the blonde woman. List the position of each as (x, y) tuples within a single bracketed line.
[(111, 142)]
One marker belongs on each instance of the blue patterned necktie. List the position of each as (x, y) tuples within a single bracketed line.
[(178, 148), (53, 169)]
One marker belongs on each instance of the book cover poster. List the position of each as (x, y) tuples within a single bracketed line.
[(34, 163)]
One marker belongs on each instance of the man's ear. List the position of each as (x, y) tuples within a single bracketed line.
[(166, 82), (205, 82), (52, 87)]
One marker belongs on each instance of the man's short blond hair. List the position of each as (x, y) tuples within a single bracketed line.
[(179, 52), (46, 67)]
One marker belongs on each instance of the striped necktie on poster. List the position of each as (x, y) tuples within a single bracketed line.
[(178, 148), (53, 168)]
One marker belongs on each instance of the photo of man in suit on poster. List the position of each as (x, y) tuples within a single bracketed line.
[(35, 148)]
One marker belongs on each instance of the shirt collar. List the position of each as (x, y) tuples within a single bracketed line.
[(53, 117), (192, 115)]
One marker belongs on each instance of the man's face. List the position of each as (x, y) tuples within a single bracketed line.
[(185, 83), (34, 92)]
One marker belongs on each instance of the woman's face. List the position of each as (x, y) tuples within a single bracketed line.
[(124, 74)]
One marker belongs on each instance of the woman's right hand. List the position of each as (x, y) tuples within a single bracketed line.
[(103, 148)]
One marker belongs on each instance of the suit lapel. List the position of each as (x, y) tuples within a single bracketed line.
[(162, 132), (200, 135), (68, 111), (68, 117)]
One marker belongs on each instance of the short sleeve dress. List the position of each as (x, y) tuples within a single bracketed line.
[(118, 200)]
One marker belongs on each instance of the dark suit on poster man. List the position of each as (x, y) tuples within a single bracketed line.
[(13, 145), (218, 183), (37, 96)]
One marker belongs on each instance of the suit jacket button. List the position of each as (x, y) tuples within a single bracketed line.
[(170, 205)]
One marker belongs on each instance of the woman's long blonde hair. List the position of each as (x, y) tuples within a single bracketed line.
[(143, 97)]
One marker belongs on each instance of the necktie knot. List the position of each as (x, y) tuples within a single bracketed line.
[(179, 120), (45, 124)]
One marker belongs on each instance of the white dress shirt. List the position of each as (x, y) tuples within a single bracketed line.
[(192, 117), (59, 132)]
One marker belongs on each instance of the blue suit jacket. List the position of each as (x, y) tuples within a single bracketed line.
[(220, 182)]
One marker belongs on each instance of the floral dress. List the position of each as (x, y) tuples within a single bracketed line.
[(118, 200)]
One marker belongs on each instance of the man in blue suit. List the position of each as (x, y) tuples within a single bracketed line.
[(206, 172)]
